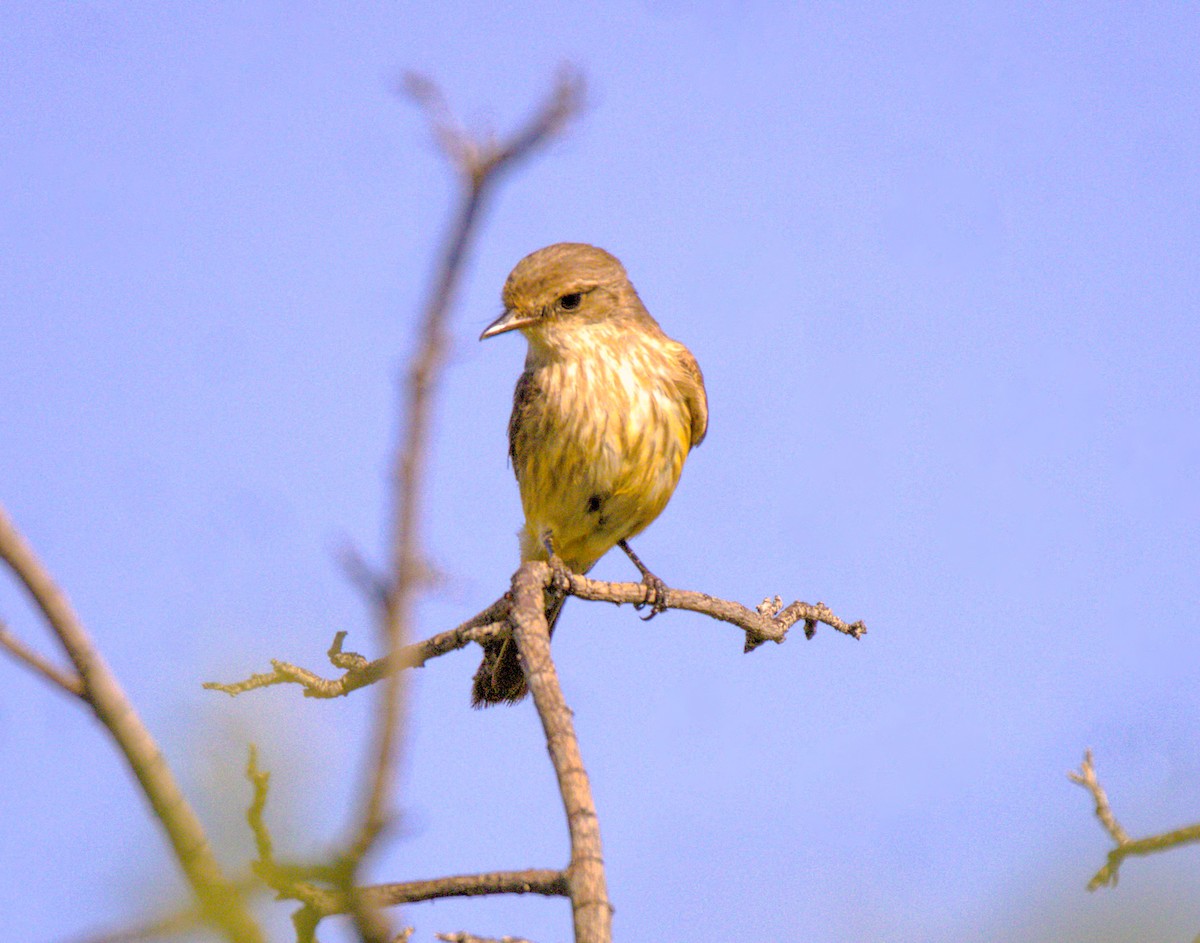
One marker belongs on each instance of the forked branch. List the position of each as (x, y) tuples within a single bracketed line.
[(1125, 846), (68, 682), (480, 162)]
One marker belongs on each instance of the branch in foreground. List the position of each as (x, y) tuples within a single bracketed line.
[(219, 899), (325, 899), (480, 163), (185, 919), (770, 621), (39, 664), (585, 873), (1125, 846)]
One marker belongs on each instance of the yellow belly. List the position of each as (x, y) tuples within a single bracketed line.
[(600, 457)]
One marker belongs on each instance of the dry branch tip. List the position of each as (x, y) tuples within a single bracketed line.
[(1125, 846)]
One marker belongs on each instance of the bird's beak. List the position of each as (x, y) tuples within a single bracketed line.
[(510, 320)]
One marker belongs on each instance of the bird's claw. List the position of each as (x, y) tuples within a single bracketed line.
[(560, 574), (656, 596)]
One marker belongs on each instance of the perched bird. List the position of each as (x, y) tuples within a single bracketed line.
[(603, 417)]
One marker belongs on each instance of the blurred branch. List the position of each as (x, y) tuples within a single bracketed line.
[(39, 664), (364, 577), (1125, 846), (480, 163), (481, 159), (183, 920), (297, 882), (770, 621), (585, 873), (1086, 777), (219, 900)]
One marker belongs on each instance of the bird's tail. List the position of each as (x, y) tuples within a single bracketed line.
[(500, 679)]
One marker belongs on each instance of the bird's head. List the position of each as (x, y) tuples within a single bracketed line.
[(554, 292)]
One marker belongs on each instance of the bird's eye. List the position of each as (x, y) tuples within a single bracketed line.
[(570, 302)]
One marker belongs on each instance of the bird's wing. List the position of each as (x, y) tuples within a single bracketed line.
[(523, 397), (690, 383)]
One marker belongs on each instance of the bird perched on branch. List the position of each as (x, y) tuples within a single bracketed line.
[(603, 417)]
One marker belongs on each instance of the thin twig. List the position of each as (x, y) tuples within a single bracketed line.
[(39, 663), (1086, 777), (585, 874), (220, 900), (546, 882), (260, 782), (1125, 846), (321, 901), (768, 622), (359, 672)]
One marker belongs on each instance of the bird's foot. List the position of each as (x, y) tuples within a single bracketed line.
[(559, 571), (560, 574), (656, 596), (656, 589)]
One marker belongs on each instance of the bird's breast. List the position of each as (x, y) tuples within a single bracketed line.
[(600, 450)]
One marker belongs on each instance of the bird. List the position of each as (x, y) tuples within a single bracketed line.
[(605, 413)]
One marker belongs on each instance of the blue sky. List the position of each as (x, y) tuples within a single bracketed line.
[(939, 268)]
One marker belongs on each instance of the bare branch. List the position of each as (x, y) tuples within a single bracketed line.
[(585, 873), (457, 146), (220, 900), (295, 881), (1125, 846), (39, 663), (481, 160), (547, 882), (768, 622), (359, 672), (1086, 777), (260, 782), (182, 920), (321, 902), (479, 163)]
